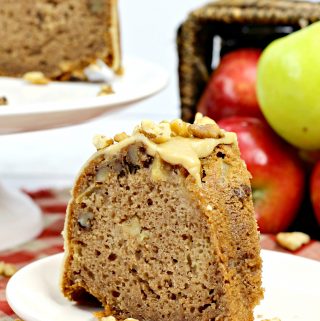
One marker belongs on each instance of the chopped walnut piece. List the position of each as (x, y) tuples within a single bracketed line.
[(205, 131), (7, 269), (102, 174), (197, 118), (3, 101), (158, 133), (36, 77), (292, 240), (205, 127), (105, 90), (180, 128), (131, 319), (100, 141), (204, 120), (120, 137)]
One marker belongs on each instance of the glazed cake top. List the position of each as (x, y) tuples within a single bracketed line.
[(176, 142)]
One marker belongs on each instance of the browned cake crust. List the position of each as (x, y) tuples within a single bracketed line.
[(57, 37), (149, 242)]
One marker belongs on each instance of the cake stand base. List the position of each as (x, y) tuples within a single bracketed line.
[(20, 218)]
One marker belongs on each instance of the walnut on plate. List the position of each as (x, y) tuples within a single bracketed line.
[(105, 90), (292, 240), (36, 78)]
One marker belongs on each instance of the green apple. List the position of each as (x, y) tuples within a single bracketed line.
[(288, 86)]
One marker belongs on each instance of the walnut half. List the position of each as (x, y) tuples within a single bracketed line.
[(158, 133)]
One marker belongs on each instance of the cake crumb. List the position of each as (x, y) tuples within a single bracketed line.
[(292, 240), (273, 319), (36, 78), (100, 141), (7, 270), (105, 90), (3, 101)]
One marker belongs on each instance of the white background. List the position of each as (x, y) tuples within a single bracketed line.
[(52, 158)]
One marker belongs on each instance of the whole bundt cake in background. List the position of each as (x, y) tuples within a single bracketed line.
[(161, 226), (58, 37)]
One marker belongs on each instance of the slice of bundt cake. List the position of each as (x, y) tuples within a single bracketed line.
[(58, 37), (161, 226)]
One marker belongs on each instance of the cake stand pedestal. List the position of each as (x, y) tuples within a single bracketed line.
[(20, 218)]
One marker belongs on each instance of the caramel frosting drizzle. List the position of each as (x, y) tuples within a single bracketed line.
[(176, 150)]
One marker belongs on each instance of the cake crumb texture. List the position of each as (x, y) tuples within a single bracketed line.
[(67, 35)]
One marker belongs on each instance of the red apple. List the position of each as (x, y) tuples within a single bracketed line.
[(277, 174), (315, 190), (231, 91)]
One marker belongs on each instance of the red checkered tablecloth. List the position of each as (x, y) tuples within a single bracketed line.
[(53, 205)]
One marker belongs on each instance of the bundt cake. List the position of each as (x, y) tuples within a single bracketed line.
[(57, 37), (161, 226)]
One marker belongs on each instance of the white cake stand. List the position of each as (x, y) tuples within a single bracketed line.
[(34, 107), (20, 218)]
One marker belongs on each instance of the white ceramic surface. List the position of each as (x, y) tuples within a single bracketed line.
[(20, 218), (34, 107), (292, 291)]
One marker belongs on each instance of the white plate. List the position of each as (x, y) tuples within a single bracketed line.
[(292, 291), (35, 107)]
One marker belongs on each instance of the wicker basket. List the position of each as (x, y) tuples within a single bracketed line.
[(237, 24)]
